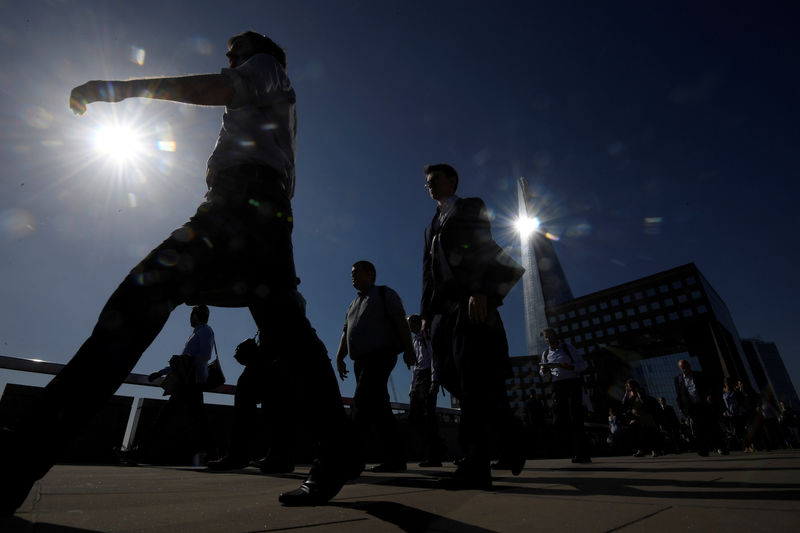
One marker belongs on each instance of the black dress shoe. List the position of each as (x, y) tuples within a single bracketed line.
[(229, 462), (515, 464), (393, 466), (430, 464), (311, 493)]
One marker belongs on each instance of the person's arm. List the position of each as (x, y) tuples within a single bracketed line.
[(200, 89), (341, 353)]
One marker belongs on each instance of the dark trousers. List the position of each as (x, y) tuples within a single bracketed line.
[(371, 403), (422, 415), (235, 251), (473, 364), (568, 416), (269, 383), (179, 430), (701, 419)]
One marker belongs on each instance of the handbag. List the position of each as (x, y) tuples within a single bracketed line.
[(247, 351), (215, 376)]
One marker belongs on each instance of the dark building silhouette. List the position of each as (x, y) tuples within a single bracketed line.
[(770, 374)]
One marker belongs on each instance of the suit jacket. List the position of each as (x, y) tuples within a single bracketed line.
[(684, 401), (476, 261)]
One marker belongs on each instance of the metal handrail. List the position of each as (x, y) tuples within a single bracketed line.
[(39, 366)]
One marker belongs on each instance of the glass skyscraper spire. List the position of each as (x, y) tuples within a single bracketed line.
[(544, 283)]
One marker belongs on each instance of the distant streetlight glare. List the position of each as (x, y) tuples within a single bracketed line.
[(526, 226)]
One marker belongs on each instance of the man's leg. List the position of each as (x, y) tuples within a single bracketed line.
[(129, 322), (285, 328), (372, 406)]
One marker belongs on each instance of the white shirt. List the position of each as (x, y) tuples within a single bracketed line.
[(561, 355), (259, 125)]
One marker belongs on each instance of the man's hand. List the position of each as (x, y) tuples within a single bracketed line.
[(90, 92), (341, 366), (477, 308), (409, 358), (434, 390), (154, 376)]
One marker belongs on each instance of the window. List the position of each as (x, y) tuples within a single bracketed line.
[(606, 318), (515, 369), (663, 288), (508, 382), (592, 308), (591, 349), (638, 295), (655, 305), (595, 320), (572, 314), (509, 393), (682, 298), (585, 323), (598, 333), (588, 336), (574, 326), (650, 292), (687, 313), (673, 316), (702, 309), (603, 305), (630, 312), (623, 328), (642, 308), (564, 329), (614, 302), (582, 311), (690, 280), (562, 317), (660, 319), (610, 331), (668, 302), (677, 285), (618, 315), (626, 299), (578, 338), (696, 295), (634, 325), (647, 322)]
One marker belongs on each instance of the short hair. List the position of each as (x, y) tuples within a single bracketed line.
[(366, 266), (262, 45), (413, 317), (551, 331), (201, 312), (633, 384), (445, 169)]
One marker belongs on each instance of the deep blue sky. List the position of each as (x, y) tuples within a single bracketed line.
[(614, 111)]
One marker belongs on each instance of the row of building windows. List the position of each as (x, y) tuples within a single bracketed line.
[(638, 295), (633, 325), (630, 312)]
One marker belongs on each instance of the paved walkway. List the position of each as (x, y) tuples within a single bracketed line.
[(747, 493)]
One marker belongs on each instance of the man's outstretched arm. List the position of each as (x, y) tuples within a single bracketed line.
[(201, 89)]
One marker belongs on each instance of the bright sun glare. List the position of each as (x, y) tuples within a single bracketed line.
[(118, 143), (525, 226)]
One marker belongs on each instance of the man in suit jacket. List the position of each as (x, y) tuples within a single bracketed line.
[(693, 389), (465, 277)]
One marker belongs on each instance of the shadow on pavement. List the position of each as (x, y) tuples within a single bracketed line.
[(411, 519)]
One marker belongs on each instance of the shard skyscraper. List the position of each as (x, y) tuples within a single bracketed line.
[(543, 283)]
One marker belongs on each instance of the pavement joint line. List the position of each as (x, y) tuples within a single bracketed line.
[(645, 517), (320, 524)]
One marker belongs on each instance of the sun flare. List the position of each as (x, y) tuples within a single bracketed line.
[(118, 143)]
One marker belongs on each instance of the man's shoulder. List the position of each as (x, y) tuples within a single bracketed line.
[(472, 204)]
